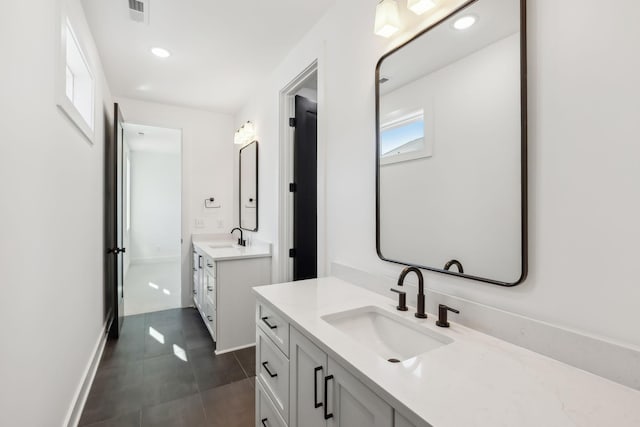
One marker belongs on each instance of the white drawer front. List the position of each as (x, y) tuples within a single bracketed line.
[(266, 413), (272, 368), (210, 266), (274, 326)]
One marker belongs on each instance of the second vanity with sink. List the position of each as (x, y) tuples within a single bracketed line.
[(330, 353), (223, 274)]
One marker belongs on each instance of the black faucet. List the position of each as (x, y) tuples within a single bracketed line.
[(420, 314), (455, 262), (241, 240), (442, 315)]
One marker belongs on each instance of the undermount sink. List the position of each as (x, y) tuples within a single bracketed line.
[(391, 337), (221, 245)]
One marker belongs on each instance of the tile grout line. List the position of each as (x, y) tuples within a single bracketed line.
[(241, 365)]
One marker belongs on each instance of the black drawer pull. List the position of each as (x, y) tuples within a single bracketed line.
[(264, 319), (316, 404), (264, 422), (327, 415), (264, 365)]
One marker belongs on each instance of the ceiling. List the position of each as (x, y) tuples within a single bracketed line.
[(152, 139), (220, 50)]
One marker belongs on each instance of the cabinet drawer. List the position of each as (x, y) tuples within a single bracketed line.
[(274, 326), (210, 266), (266, 413), (210, 319), (272, 368)]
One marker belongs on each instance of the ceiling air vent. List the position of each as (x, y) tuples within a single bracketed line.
[(139, 10)]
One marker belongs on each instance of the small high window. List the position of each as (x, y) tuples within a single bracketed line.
[(77, 94)]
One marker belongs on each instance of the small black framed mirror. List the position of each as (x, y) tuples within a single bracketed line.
[(451, 163), (248, 172)]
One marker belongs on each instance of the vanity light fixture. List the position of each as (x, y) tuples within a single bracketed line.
[(464, 22), (160, 52), (420, 6), (246, 133), (387, 18)]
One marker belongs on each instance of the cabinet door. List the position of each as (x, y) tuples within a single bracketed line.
[(308, 367), (351, 404)]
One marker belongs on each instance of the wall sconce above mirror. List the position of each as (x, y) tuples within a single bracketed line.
[(245, 134), (451, 146), (249, 187)]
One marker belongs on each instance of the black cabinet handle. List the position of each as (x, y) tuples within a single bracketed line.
[(264, 319), (199, 261), (316, 404), (327, 415), (264, 365), (264, 422)]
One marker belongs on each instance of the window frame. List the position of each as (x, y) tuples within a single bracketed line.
[(63, 102), (421, 114)]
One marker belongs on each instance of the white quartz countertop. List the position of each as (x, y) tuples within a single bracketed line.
[(225, 250), (477, 380)]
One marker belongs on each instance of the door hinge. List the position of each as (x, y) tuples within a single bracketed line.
[(292, 122), (292, 253), (293, 187)]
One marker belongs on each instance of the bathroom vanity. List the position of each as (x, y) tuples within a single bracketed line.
[(322, 359), (223, 274)]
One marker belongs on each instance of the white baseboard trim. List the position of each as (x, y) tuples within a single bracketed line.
[(75, 411), (229, 350), (155, 260)]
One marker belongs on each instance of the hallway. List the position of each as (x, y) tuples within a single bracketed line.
[(163, 372)]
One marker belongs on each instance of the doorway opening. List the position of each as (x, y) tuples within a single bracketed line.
[(299, 222), (152, 202)]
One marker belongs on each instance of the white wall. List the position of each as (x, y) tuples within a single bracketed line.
[(466, 196), (51, 221), (155, 206), (584, 195), (207, 169)]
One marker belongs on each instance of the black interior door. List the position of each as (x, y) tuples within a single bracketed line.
[(114, 263), (305, 196)]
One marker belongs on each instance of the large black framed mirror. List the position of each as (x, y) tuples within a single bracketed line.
[(451, 151), (249, 187)]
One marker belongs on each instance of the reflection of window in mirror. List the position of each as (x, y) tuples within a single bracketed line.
[(403, 139)]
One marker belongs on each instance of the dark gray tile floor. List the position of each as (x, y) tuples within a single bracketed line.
[(163, 372)]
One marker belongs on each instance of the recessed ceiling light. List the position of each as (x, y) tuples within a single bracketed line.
[(160, 52), (464, 22)]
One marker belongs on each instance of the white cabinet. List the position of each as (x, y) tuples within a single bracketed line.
[(197, 279), (351, 404), (272, 370), (266, 413), (222, 295), (319, 392), (324, 394), (308, 370), (209, 304)]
